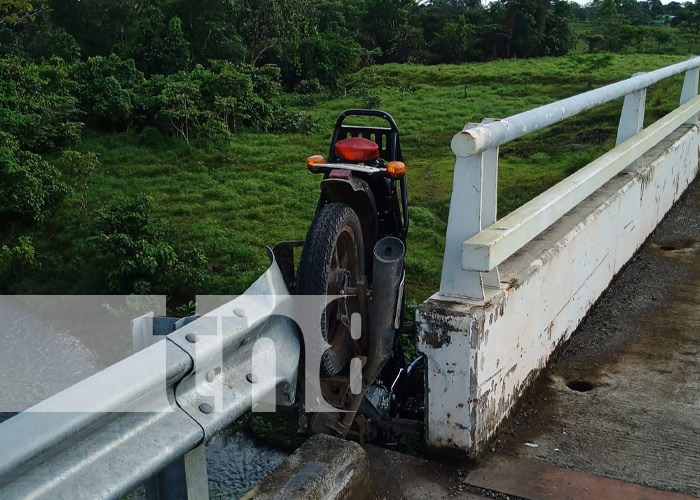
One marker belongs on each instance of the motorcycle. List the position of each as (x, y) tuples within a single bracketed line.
[(354, 250)]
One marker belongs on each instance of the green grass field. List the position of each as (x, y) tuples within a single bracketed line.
[(235, 201)]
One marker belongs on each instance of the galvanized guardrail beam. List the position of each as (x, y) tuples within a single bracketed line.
[(125, 427), (102, 437)]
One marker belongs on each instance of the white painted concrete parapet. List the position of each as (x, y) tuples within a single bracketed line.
[(483, 356)]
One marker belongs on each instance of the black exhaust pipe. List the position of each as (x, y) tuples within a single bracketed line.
[(388, 275), (383, 309)]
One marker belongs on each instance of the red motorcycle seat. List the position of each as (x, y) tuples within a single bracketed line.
[(357, 149)]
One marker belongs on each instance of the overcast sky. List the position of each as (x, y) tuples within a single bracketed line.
[(584, 2)]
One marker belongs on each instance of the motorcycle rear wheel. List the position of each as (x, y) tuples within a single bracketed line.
[(332, 262)]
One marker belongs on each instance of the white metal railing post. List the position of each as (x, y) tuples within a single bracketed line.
[(489, 204), (632, 121), (690, 89), (464, 221)]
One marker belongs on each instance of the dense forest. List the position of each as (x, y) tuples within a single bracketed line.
[(327, 38), (201, 72)]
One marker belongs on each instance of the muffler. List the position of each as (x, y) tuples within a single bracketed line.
[(388, 279), (387, 290)]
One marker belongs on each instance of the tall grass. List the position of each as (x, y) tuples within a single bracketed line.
[(234, 202)]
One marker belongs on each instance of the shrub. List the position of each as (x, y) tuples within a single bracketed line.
[(371, 99), (30, 186), (37, 106), (151, 136), (15, 257), (134, 256), (305, 100), (296, 122), (81, 166), (306, 87), (214, 132)]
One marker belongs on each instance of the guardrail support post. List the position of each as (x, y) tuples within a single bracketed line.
[(632, 121), (464, 221), (184, 479), (690, 89)]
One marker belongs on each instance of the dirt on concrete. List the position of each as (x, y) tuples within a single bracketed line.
[(623, 399), (395, 476)]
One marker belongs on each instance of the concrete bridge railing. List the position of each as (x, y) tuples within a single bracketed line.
[(514, 289)]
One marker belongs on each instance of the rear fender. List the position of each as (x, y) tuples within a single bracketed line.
[(357, 194)]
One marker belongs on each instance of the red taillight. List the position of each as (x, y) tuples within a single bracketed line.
[(357, 149)]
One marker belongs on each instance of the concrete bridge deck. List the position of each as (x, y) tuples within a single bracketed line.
[(618, 414)]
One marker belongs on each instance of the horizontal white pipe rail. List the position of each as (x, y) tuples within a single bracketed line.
[(104, 436), (490, 247), (475, 242), (488, 136)]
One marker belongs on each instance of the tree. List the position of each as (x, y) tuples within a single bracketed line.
[(381, 22), (407, 44), (525, 19), (81, 166), (15, 12), (31, 186), (323, 56), (176, 49), (559, 35), (98, 26), (661, 36), (209, 27), (458, 42), (179, 102), (633, 36), (37, 106), (654, 8), (636, 13), (226, 111), (52, 41), (15, 257), (609, 26), (264, 25), (106, 88)]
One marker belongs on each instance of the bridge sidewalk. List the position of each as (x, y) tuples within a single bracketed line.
[(618, 415)]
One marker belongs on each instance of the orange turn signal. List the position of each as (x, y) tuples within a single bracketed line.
[(312, 161), (396, 169)]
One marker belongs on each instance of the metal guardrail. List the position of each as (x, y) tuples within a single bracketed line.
[(104, 436), (476, 243)]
